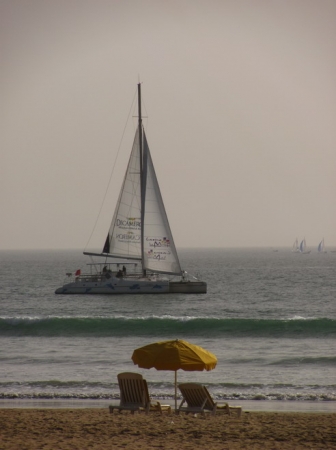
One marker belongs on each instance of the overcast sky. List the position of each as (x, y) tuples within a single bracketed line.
[(241, 103)]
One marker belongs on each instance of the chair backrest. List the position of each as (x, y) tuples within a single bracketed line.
[(146, 392), (197, 396), (133, 389)]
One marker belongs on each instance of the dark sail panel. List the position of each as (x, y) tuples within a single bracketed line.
[(106, 248)]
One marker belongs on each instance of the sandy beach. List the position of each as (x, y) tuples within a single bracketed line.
[(98, 429)]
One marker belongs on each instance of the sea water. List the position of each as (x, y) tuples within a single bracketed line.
[(269, 317)]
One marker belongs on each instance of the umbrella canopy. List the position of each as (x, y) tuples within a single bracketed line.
[(174, 355)]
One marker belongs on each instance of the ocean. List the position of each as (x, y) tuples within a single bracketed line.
[(269, 317)]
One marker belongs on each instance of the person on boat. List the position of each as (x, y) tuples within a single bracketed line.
[(124, 270), (119, 274), (107, 272)]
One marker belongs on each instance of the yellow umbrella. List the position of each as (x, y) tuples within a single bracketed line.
[(174, 355)]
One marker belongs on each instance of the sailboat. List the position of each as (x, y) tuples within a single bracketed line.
[(296, 248), (303, 247), (139, 236), (321, 248)]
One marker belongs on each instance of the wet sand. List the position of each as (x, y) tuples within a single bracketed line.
[(98, 429)]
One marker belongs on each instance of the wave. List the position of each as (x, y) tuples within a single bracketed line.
[(166, 326), (280, 396), (320, 361), (261, 396), (156, 385), (285, 362), (85, 390)]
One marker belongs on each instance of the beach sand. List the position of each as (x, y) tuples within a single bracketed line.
[(46, 429)]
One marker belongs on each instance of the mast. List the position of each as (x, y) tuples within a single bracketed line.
[(142, 179)]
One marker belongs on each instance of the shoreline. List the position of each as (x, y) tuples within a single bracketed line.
[(247, 405), (97, 429)]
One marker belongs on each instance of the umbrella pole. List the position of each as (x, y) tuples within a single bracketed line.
[(175, 390)]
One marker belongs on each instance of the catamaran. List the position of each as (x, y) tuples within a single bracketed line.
[(139, 236)]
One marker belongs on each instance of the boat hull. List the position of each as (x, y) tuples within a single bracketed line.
[(124, 286), (115, 286), (188, 287)]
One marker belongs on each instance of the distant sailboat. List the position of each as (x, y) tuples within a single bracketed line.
[(303, 247), (321, 248), (296, 248)]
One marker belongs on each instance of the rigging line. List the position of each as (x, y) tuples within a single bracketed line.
[(113, 167)]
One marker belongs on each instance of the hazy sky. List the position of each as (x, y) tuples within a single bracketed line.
[(241, 103)]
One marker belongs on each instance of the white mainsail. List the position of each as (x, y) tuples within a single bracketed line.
[(124, 236), (157, 251)]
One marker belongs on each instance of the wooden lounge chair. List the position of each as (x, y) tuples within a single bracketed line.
[(199, 400), (134, 395)]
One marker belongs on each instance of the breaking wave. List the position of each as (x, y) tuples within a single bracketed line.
[(166, 326)]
